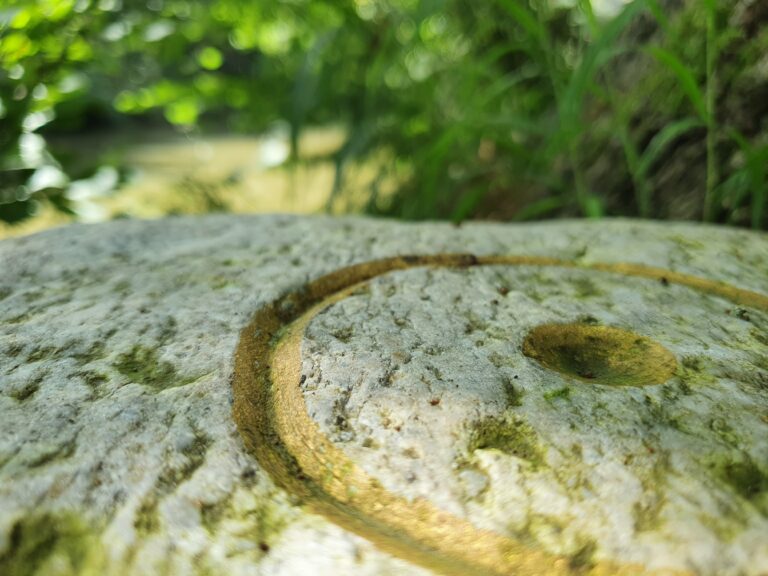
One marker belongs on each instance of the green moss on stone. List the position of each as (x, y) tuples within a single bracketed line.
[(694, 363), (563, 393), (147, 519), (343, 334), (196, 451), (725, 431), (29, 388), (173, 476), (95, 351), (654, 479), (585, 288), (512, 393), (43, 353), (746, 478), (92, 378), (211, 514), (143, 366), (13, 350), (52, 453), (510, 436), (583, 559), (168, 330), (47, 543), (759, 335), (647, 515), (271, 521)]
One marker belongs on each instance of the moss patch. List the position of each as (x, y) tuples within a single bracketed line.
[(512, 394), (585, 288), (600, 354), (271, 521), (29, 389), (510, 436), (95, 351), (582, 560), (343, 334), (563, 393), (147, 519), (61, 544), (747, 479), (143, 366)]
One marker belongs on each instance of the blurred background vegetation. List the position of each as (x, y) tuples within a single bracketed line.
[(417, 109)]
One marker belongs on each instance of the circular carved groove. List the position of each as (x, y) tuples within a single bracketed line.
[(269, 410), (600, 354)]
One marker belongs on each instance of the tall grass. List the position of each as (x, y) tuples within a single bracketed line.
[(509, 109), (548, 103)]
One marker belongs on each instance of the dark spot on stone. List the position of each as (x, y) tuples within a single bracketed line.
[(664, 281), (434, 401), (264, 547), (742, 314)]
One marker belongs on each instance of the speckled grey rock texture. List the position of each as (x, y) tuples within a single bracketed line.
[(118, 452)]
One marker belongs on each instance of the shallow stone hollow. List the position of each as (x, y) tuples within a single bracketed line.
[(600, 354), (119, 453)]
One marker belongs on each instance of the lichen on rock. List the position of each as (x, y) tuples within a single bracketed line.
[(119, 453)]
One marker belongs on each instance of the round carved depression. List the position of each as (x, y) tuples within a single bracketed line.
[(600, 354)]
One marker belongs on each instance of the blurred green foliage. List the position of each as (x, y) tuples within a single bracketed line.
[(507, 109)]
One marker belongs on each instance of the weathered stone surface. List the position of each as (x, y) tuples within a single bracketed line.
[(119, 453)]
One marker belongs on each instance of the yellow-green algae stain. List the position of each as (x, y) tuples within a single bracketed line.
[(53, 544), (143, 366), (511, 436), (600, 354), (747, 480)]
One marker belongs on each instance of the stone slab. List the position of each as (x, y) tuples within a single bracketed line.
[(119, 452)]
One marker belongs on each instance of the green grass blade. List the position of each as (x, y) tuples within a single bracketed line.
[(593, 206), (685, 79), (661, 141), (525, 19), (597, 54), (755, 167)]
